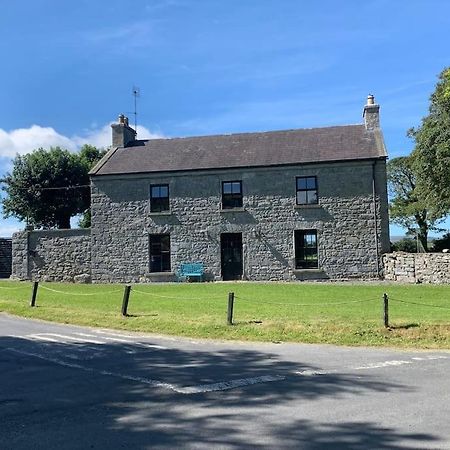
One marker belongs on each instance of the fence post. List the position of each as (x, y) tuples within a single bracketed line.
[(126, 297), (34, 293), (230, 308), (386, 310)]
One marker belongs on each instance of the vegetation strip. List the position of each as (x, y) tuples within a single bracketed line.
[(334, 313)]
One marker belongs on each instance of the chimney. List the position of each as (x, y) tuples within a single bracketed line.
[(122, 133), (371, 114)]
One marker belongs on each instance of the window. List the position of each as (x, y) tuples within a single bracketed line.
[(306, 249), (159, 197), (307, 191), (159, 253), (231, 194)]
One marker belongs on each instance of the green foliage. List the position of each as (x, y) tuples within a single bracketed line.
[(47, 187), (89, 156), (442, 243), (85, 220), (432, 149), (408, 207), (405, 245)]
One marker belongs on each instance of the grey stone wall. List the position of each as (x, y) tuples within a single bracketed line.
[(352, 232), (417, 267), (20, 256), (52, 255), (5, 257)]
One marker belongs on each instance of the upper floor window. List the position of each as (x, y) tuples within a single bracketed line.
[(231, 194), (307, 191), (159, 197)]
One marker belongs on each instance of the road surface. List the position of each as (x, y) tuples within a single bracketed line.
[(68, 387)]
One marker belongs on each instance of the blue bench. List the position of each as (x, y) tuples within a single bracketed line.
[(187, 271)]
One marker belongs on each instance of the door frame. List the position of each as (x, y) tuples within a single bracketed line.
[(240, 274)]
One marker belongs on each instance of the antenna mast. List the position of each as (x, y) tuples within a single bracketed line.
[(136, 93)]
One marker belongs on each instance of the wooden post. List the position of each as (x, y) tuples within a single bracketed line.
[(126, 297), (386, 310), (34, 293), (230, 308)]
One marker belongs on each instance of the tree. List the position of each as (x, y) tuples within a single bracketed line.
[(89, 156), (432, 148), (48, 187), (408, 208)]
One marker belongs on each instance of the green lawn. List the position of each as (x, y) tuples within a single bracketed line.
[(335, 313)]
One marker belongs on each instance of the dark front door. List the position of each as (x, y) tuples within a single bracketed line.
[(231, 255)]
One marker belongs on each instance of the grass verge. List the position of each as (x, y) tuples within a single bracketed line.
[(342, 314)]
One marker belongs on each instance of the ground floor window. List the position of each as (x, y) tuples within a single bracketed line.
[(159, 253), (306, 249)]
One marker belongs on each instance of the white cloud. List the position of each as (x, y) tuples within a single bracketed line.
[(25, 140), (101, 137)]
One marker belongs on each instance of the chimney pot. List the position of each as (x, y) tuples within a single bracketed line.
[(371, 114), (121, 118)]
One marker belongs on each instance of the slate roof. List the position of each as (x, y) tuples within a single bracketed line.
[(273, 148)]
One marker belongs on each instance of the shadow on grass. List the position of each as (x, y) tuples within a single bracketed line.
[(404, 327), (87, 395), (247, 322), (142, 315)]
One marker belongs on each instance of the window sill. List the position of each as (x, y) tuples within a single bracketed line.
[(160, 274), (161, 213), (299, 271), (231, 210), (311, 206)]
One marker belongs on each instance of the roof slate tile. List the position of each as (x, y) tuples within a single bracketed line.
[(349, 142)]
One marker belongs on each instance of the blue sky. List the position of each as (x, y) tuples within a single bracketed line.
[(213, 66)]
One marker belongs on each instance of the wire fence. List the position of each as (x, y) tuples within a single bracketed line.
[(151, 294), (128, 290), (88, 294), (13, 288), (418, 304), (285, 303)]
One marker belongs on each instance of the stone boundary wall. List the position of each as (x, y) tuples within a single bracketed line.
[(431, 268), (52, 255), (5, 257)]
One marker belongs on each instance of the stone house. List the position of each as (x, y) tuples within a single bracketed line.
[(280, 205)]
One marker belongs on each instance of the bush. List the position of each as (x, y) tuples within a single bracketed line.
[(404, 245), (442, 243)]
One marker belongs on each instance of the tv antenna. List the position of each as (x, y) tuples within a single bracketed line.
[(136, 93)]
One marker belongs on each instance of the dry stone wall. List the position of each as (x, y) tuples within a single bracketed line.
[(52, 255), (431, 268), (20, 256), (5, 257)]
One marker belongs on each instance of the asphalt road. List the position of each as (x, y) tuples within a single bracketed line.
[(66, 387)]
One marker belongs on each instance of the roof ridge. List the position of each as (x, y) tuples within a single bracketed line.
[(247, 133)]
